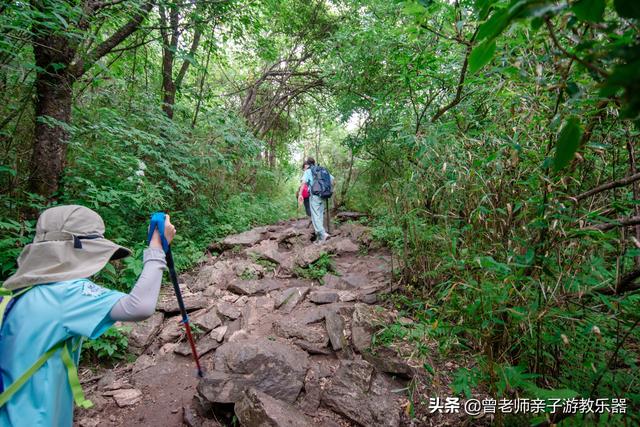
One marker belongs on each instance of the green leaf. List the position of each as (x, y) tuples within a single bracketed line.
[(627, 8), (589, 10), (481, 55), (494, 25), (567, 144)]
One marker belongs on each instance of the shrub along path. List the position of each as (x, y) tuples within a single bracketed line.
[(284, 328)]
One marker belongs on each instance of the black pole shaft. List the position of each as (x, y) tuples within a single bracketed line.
[(183, 310), (174, 281)]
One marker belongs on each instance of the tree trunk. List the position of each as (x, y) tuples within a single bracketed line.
[(58, 67), (168, 87), (53, 112)]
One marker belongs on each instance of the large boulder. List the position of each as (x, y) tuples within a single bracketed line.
[(335, 330), (247, 238), (142, 333), (169, 304), (219, 275), (309, 254), (228, 310), (203, 346), (171, 330), (286, 300), (254, 312), (324, 296), (274, 368), (206, 319), (366, 320), (358, 393), (290, 328), (342, 245), (258, 409), (269, 250), (357, 232)]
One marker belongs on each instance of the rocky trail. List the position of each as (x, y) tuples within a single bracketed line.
[(278, 348)]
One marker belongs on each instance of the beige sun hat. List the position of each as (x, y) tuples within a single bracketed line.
[(69, 244)]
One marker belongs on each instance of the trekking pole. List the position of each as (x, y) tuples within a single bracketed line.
[(157, 221)]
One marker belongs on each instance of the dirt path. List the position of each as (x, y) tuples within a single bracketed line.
[(279, 348)]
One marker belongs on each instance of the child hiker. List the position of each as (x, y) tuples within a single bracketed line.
[(60, 306)]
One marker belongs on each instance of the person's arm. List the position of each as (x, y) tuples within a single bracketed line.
[(141, 301)]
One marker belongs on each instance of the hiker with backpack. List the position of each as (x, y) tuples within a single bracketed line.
[(320, 181), (304, 193), (52, 305)]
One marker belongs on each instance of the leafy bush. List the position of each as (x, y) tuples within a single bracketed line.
[(110, 347), (317, 269)]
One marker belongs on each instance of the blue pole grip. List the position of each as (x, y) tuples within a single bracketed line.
[(157, 222)]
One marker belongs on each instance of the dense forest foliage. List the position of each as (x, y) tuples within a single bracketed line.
[(492, 142)]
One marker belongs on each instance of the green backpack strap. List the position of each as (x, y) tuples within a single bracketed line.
[(72, 370), (7, 296), (74, 380), (72, 375), (13, 388)]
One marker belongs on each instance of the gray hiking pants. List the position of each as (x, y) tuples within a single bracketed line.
[(317, 215)]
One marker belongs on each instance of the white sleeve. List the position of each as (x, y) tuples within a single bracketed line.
[(141, 301)]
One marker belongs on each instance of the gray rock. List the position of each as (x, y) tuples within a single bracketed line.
[(335, 327), (127, 397), (247, 238), (258, 409), (288, 328), (230, 298), (312, 393), (238, 335), (350, 392), (254, 311), (342, 245), (172, 330), (368, 299), (206, 319), (286, 300), (357, 232), (245, 268), (324, 296), (203, 346), (169, 303), (268, 249), (275, 368), (228, 310), (365, 321), (142, 333), (217, 275), (354, 280), (219, 333), (233, 327), (88, 422), (347, 296), (254, 287), (313, 348), (386, 360), (335, 282), (143, 362), (311, 315), (309, 254)]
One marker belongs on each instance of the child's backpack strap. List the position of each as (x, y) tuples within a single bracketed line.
[(13, 388), (7, 298)]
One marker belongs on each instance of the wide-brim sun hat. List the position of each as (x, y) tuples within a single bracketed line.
[(69, 244)]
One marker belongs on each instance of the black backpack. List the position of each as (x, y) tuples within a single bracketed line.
[(321, 182)]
